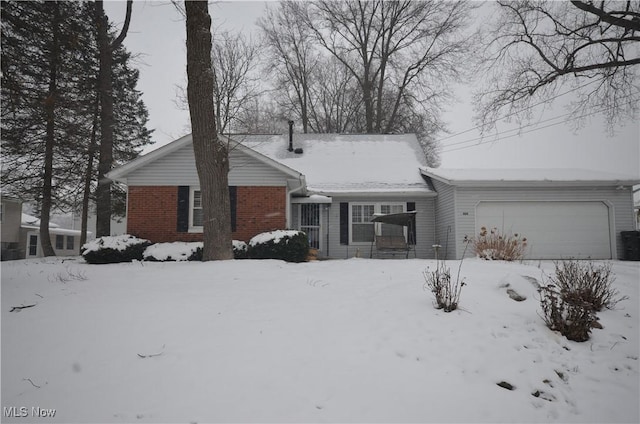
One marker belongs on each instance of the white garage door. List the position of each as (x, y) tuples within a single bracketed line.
[(554, 230)]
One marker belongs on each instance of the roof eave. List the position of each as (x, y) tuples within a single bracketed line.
[(541, 183), (367, 194)]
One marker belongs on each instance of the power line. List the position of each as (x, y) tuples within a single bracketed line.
[(520, 111), (534, 129), (518, 129)]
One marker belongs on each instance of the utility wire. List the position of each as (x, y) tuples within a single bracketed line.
[(532, 130), (520, 111), (517, 129)]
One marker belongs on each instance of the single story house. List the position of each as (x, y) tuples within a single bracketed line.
[(332, 185), (21, 234), (65, 242), (328, 185)]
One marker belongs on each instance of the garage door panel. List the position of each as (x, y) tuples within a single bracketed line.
[(554, 230)]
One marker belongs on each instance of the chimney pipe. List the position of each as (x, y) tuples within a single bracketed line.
[(291, 136)]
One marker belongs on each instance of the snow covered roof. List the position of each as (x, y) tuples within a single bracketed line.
[(32, 221), (341, 163), (528, 176)]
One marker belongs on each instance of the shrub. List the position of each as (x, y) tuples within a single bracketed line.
[(492, 245), (288, 245), (184, 251), (586, 282), (445, 290), (239, 249), (572, 319), (574, 294), (114, 249), (176, 251)]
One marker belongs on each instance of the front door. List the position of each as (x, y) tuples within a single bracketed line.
[(310, 223)]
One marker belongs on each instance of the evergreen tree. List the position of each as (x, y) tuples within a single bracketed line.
[(50, 109)]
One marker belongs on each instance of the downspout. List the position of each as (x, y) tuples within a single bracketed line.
[(303, 185)]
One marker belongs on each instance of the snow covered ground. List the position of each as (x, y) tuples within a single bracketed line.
[(338, 341)]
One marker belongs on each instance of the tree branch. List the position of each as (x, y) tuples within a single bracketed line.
[(632, 25)]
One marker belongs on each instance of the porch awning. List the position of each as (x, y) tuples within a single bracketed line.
[(314, 198), (405, 219)]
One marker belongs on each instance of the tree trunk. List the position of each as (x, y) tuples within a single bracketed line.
[(105, 89), (91, 152), (50, 138), (212, 156)]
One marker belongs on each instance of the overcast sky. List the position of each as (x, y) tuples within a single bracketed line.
[(157, 33)]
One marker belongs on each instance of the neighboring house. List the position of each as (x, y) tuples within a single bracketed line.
[(331, 185), (10, 217), (65, 242), (563, 213), (21, 234)]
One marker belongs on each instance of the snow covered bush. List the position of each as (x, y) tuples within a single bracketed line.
[(288, 245), (186, 251), (492, 245), (239, 249), (176, 251), (114, 249)]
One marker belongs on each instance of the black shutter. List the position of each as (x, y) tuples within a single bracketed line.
[(344, 223), (411, 206), (183, 209), (233, 202)]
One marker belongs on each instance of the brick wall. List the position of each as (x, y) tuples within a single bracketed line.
[(153, 213), (259, 209)]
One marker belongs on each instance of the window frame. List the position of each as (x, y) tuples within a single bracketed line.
[(377, 208), (71, 246), (194, 228), (59, 242)]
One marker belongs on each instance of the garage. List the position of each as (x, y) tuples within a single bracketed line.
[(554, 229)]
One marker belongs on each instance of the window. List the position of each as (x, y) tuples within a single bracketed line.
[(196, 209), (70, 242), (361, 225), (191, 216), (363, 230), (59, 242), (33, 245)]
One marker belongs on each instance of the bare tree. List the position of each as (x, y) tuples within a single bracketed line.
[(335, 102), (395, 47), (293, 55), (235, 60), (212, 155), (534, 47), (105, 88)]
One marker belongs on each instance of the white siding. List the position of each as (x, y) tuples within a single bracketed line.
[(466, 199), (179, 168), (445, 207), (425, 227)]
